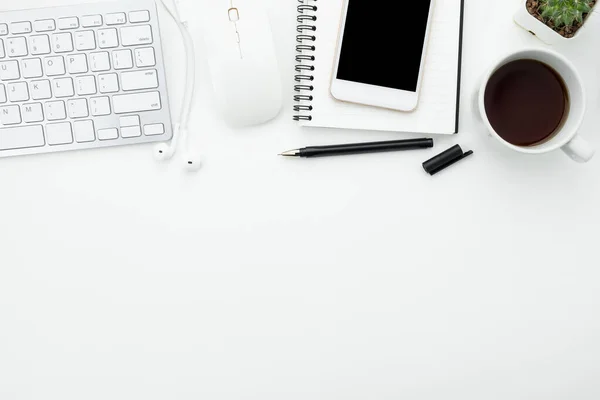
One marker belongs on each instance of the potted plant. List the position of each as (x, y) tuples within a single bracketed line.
[(555, 21)]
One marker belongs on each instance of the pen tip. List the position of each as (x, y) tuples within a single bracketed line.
[(289, 153)]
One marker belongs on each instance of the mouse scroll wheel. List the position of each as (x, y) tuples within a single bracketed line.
[(234, 15)]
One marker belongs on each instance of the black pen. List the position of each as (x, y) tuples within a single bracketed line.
[(360, 148)]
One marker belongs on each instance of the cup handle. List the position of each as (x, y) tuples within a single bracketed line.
[(579, 150)]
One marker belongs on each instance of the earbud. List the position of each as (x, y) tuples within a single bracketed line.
[(192, 162), (164, 151)]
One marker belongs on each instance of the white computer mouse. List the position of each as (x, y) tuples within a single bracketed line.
[(243, 64)]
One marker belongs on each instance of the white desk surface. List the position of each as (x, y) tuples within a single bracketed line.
[(267, 278)]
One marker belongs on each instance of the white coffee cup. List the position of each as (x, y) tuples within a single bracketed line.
[(567, 138)]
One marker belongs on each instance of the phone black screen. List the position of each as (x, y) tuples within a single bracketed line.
[(383, 42)]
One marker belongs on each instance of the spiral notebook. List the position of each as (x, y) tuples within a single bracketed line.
[(438, 108)]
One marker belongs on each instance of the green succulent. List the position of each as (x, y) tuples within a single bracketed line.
[(565, 12)]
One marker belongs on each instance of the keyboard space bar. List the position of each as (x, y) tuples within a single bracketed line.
[(20, 137), (137, 102)]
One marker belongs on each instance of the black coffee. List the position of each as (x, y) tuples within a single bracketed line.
[(526, 102)]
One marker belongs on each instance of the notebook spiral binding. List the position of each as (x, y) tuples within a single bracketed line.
[(305, 46)]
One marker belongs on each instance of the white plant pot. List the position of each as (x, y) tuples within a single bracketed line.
[(541, 30)]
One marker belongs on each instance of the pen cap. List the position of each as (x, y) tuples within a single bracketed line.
[(445, 159)]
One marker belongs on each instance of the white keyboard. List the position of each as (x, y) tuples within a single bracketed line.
[(82, 76)]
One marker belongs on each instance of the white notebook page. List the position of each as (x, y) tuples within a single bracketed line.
[(436, 112)]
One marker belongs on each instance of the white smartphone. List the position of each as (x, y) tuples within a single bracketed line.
[(381, 53)]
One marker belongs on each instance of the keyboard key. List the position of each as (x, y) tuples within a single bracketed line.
[(132, 120), (10, 115), (54, 65), (39, 44), (154, 129), (85, 40), (77, 64), (55, 110), (99, 62), (31, 68), (17, 91), (21, 137), (138, 80), (19, 28), (100, 106), (3, 98), (84, 131), (32, 112), (68, 23), (107, 38), (62, 42), (63, 87), (2, 52), (137, 102), (139, 16), (44, 25), (40, 90), (115, 19), (85, 85), (131, 131), (136, 35), (3, 29), (91, 21), (122, 59), (59, 133), (78, 108), (108, 134), (16, 47), (108, 83), (9, 70), (144, 57)]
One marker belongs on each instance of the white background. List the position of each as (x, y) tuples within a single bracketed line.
[(266, 278)]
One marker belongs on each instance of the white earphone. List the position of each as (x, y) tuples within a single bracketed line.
[(191, 161), (166, 151)]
